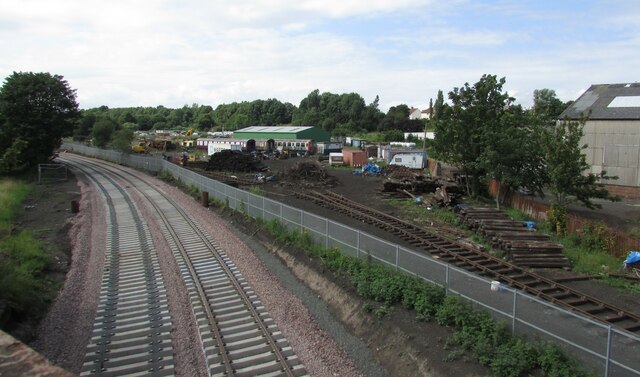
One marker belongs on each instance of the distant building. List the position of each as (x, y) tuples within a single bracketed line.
[(612, 133), (415, 113), (277, 132)]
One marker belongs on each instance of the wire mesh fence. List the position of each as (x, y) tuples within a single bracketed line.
[(606, 350)]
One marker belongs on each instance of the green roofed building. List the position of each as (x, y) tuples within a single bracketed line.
[(276, 132)]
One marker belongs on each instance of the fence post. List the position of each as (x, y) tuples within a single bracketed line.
[(608, 360), (446, 279), (358, 246), (397, 255), (513, 314), (326, 233)]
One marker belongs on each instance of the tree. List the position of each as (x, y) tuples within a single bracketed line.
[(546, 104), (566, 166), (39, 109), (103, 132), (461, 135), (122, 140), (512, 153)]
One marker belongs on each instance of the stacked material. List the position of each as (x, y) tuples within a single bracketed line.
[(524, 246), (229, 160)]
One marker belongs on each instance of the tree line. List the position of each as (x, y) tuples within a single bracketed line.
[(479, 129)]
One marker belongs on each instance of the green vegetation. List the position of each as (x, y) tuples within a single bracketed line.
[(22, 258), (477, 334), (36, 111)]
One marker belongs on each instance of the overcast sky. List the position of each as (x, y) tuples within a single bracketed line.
[(176, 52)]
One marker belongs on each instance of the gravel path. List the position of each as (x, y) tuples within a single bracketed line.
[(322, 343)]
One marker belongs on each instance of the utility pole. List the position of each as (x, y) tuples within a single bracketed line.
[(424, 140)]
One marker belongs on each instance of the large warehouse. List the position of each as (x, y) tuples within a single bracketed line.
[(612, 133), (260, 133)]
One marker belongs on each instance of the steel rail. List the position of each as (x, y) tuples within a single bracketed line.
[(281, 359), (128, 338), (474, 259)]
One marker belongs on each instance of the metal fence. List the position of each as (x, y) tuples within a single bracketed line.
[(600, 347)]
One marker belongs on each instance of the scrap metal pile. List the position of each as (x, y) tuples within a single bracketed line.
[(402, 182), (228, 160), (523, 245), (308, 172)]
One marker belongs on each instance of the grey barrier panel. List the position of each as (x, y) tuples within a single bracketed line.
[(377, 248), (423, 266), (589, 361), (271, 209), (625, 349), (318, 238), (344, 247), (316, 223), (344, 234), (546, 317), (291, 217), (255, 206), (479, 289), (242, 199)]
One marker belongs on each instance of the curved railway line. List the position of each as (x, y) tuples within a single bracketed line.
[(132, 327), (474, 259)]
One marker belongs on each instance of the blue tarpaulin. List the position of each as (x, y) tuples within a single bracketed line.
[(633, 257)]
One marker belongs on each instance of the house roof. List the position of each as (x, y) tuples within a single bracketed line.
[(607, 102)]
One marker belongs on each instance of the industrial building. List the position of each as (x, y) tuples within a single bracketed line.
[(612, 133), (277, 132)]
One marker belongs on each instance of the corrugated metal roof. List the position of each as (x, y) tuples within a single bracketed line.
[(274, 129), (606, 102)]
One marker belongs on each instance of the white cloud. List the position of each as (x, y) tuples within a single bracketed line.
[(174, 52)]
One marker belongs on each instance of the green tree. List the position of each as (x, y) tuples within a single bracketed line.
[(438, 107), (461, 136), (103, 132), (546, 104), (512, 153), (566, 167), (38, 108), (122, 140)]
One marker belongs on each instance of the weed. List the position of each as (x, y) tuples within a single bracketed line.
[(383, 312), (368, 307), (256, 190)]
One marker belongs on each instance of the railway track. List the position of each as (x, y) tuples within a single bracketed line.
[(475, 259), (237, 335)]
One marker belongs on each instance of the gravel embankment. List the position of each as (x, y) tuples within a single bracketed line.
[(321, 342)]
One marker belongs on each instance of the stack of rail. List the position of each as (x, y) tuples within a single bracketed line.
[(524, 246)]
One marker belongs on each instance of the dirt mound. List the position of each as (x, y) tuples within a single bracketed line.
[(310, 172), (234, 161)]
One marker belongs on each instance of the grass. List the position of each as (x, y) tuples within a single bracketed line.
[(22, 257), (12, 193)]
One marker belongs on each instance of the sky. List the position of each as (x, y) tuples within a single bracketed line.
[(211, 52)]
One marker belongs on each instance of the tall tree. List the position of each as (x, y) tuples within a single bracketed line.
[(512, 153), (546, 104), (566, 172), (567, 167), (38, 109), (461, 137), (103, 131)]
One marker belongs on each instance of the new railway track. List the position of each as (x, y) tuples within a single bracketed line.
[(132, 328), (475, 259)]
